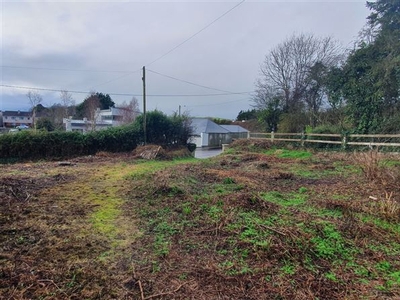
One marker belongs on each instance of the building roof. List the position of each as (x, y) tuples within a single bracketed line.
[(234, 128), (206, 126), (14, 113)]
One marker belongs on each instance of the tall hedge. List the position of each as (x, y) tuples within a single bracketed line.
[(161, 129), (48, 145)]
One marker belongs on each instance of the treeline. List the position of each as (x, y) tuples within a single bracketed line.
[(51, 118), (310, 82), (160, 129)]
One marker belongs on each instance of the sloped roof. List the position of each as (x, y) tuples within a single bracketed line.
[(234, 128), (206, 126), (12, 113)]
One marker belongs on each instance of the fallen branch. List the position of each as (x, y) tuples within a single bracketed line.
[(167, 293), (51, 281), (14, 193), (27, 197), (272, 229), (138, 281), (24, 290), (141, 290)]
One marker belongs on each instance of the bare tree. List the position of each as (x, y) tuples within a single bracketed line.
[(57, 113), (34, 100), (265, 94), (92, 108), (66, 101), (130, 110), (287, 67)]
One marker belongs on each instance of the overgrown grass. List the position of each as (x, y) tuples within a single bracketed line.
[(280, 228), (289, 199), (284, 153)]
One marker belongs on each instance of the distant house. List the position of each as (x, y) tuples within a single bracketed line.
[(105, 118), (113, 115), (206, 133), (11, 119), (84, 125)]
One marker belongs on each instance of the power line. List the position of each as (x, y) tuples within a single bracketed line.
[(220, 103), (127, 74), (47, 89), (116, 94), (63, 69), (195, 84), (193, 35)]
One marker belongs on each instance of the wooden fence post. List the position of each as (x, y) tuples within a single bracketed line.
[(272, 136), (303, 138), (344, 141)]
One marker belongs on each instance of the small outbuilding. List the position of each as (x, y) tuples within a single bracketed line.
[(206, 133), (237, 132)]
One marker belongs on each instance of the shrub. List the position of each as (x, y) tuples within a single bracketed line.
[(162, 130), (191, 147), (292, 122), (325, 129)]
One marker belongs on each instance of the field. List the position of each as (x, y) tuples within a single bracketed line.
[(256, 222)]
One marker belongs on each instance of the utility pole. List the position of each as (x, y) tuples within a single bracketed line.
[(179, 110), (144, 104)]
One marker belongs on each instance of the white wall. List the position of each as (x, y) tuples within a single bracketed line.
[(201, 141)]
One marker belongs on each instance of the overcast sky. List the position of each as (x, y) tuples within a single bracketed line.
[(103, 45)]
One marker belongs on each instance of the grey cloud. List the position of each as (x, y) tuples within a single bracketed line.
[(124, 36)]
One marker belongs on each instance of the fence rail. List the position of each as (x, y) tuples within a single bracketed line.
[(385, 140)]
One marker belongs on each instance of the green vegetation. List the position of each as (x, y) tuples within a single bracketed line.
[(289, 199), (220, 223), (284, 153), (361, 93), (161, 129), (293, 228)]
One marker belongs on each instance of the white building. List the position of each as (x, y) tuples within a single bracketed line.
[(113, 116), (11, 119), (105, 118), (206, 133)]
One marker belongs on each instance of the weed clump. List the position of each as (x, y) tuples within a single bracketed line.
[(384, 178)]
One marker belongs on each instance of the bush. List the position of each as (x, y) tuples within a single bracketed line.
[(325, 129), (39, 145), (161, 130), (191, 147), (328, 129), (292, 122)]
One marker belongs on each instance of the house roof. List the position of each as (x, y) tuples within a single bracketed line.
[(206, 126), (234, 128), (12, 113)]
